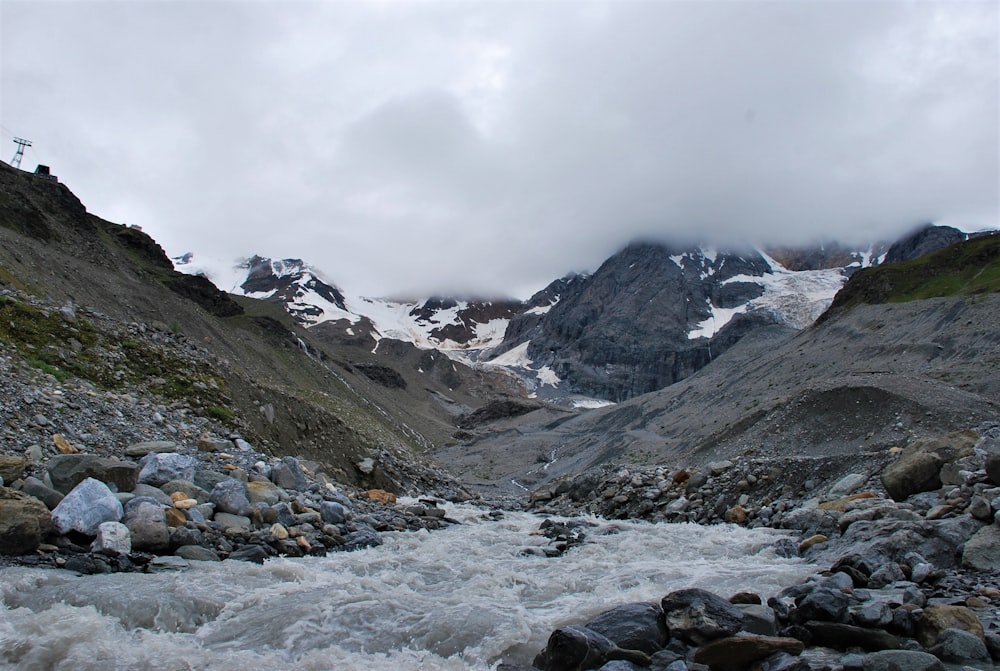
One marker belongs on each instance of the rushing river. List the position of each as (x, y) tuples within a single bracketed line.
[(459, 598)]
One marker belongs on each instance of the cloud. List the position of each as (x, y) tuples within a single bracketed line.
[(491, 147)]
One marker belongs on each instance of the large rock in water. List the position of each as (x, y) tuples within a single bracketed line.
[(575, 648), (918, 468), (698, 616), (736, 653), (68, 470), (86, 507), (637, 626), (24, 521)]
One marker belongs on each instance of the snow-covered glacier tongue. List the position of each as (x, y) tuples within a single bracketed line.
[(466, 597)]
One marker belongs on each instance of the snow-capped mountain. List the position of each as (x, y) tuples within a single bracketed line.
[(651, 315)]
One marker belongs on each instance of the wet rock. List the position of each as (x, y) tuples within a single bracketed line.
[(825, 605), (250, 553), (159, 469), (333, 512), (24, 522), (938, 617), (362, 538), (843, 636), (956, 645), (699, 616), (575, 648), (636, 626), (982, 551), (230, 496), (759, 619), (736, 653), (66, 471), (84, 509), (113, 538), (901, 660)]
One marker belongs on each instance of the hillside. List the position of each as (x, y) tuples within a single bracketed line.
[(865, 379), (144, 326)]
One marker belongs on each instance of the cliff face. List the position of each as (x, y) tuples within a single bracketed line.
[(649, 316)]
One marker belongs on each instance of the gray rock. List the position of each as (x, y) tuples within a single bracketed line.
[(196, 553), (144, 448), (333, 512), (188, 488), (207, 479), (288, 474), (158, 469), (825, 605), (957, 645), (155, 493), (982, 551), (185, 535), (635, 626), (251, 553), (147, 524), (230, 496), (362, 538), (759, 619), (699, 616), (887, 573), (24, 522), (66, 471), (113, 538), (848, 484), (84, 509), (35, 487), (902, 660), (992, 465), (230, 521)]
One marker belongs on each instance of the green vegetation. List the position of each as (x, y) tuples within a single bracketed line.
[(110, 358), (964, 269), (220, 412)]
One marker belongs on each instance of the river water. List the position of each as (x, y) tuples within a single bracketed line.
[(456, 599)]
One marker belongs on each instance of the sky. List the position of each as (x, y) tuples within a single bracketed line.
[(487, 148)]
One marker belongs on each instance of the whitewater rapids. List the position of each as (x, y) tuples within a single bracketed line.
[(456, 599)]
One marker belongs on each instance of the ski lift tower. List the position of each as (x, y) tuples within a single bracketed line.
[(21, 144)]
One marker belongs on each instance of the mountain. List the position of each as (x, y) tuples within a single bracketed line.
[(917, 358)]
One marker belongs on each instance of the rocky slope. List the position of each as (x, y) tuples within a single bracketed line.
[(867, 378)]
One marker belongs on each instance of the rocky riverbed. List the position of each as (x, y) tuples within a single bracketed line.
[(98, 481)]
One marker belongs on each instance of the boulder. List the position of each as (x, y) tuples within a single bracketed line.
[(574, 648), (230, 496), (957, 645), (113, 538), (147, 524), (66, 471), (261, 491), (24, 522), (901, 660), (288, 474), (160, 468), (38, 489), (938, 617), (698, 616), (362, 538), (918, 468), (636, 626), (993, 464), (736, 653), (186, 487), (196, 553), (825, 605), (982, 551), (84, 509), (230, 521), (333, 512), (846, 485), (11, 467), (844, 636)]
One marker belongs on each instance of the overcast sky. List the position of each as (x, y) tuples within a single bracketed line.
[(490, 147)]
